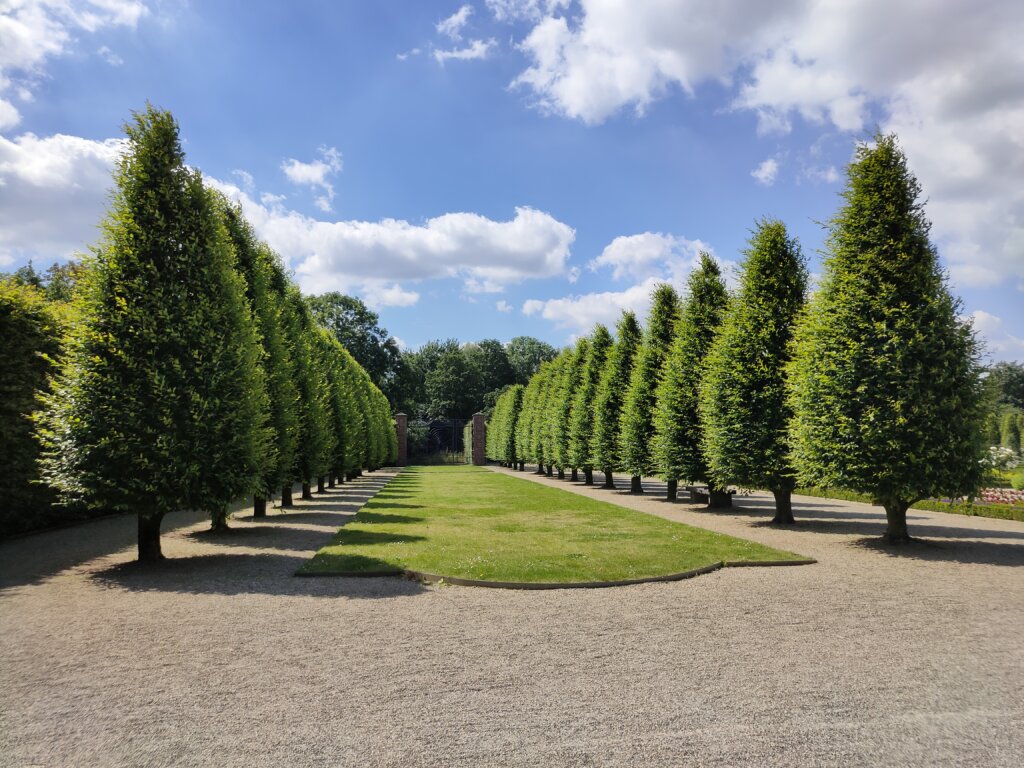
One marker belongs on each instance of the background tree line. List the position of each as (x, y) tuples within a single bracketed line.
[(177, 367), (872, 384)]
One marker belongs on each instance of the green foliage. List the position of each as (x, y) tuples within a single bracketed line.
[(447, 394), (884, 382), (489, 371), (160, 401), (31, 330), (743, 406), (1009, 430), (501, 428), (678, 454), (561, 410), (525, 446), (525, 354), (581, 422), (638, 409), (604, 443), (1005, 381)]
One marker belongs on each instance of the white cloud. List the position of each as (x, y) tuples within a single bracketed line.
[(380, 294), (579, 313), (650, 255), (524, 10), (336, 255), (1000, 344), (477, 49), (407, 54), (503, 306), (33, 31), (766, 172), (316, 175), (248, 182), (828, 175), (53, 193), (110, 57), (452, 26), (947, 77)]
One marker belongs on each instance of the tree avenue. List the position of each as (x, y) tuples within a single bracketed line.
[(885, 383), (743, 408), (604, 443), (194, 373)]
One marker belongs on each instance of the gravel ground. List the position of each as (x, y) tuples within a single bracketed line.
[(911, 656)]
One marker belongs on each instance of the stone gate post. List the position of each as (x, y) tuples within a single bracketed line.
[(479, 440), (402, 432)]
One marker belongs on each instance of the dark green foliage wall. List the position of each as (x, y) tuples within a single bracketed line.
[(581, 424), (502, 426), (885, 383), (31, 330), (677, 443), (637, 423)]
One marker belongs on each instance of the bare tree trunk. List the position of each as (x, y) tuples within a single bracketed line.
[(330, 480), (286, 496), (609, 480), (259, 505), (673, 490), (718, 498), (219, 520), (306, 490), (549, 472), (635, 486), (588, 475), (896, 518), (149, 538), (574, 477), (320, 484), (783, 506), (522, 466)]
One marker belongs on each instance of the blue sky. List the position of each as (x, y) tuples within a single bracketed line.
[(507, 167)]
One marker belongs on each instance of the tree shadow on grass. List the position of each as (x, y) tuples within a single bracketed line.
[(231, 574), (380, 517)]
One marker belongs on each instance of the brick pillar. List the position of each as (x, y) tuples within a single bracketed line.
[(479, 440), (402, 432)]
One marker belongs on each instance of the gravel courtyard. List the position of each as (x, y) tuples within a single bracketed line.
[(222, 657)]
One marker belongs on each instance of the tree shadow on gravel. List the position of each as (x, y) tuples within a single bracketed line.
[(958, 551), (276, 537), (231, 574), (877, 528)]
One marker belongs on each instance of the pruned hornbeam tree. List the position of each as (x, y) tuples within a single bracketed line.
[(160, 403), (677, 443), (562, 415), (885, 382), (581, 425), (743, 408), (604, 442), (553, 411), (637, 422)]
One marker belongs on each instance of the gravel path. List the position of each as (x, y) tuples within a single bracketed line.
[(222, 657)]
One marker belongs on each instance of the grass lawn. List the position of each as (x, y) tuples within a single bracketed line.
[(471, 523)]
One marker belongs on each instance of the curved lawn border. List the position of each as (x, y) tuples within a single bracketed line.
[(433, 578)]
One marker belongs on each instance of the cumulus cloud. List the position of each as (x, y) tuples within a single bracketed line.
[(950, 83), (486, 254), (110, 57), (1000, 344), (503, 306), (453, 25), (650, 255), (316, 175), (53, 193), (477, 49), (766, 172), (524, 10), (579, 313), (33, 31)]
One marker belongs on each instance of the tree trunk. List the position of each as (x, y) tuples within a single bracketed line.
[(588, 475), (896, 517), (259, 505), (522, 466), (718, 498), (219, 520), (149, 538), (540, 468), (306, 490), (549, 472), (330, 480), (561, 473), (783, 506), (320, 484), (673, 490), (286, 497), (609, 480), (635, 486)]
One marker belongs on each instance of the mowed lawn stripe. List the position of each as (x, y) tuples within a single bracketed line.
[(470, 523)]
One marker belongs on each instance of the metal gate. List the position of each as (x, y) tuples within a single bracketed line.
[(436, 442)]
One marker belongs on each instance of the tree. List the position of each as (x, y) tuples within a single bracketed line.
[(678, 450), (1009, 432), (525, 354), (1006, 381), (581, 424), (638, 408), (265, 285), (159, 400), (576, 361), (743, 406), (31, 330), (446, 390), (359, 331), (604, 442), (885, 382), (491, 370)]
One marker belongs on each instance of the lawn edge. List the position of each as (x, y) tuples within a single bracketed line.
[(433, 578)]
